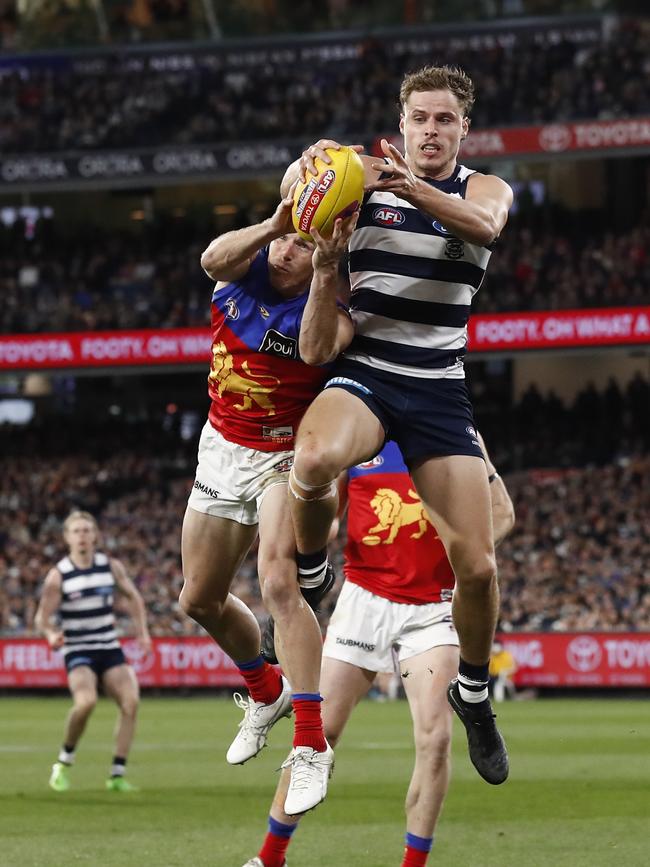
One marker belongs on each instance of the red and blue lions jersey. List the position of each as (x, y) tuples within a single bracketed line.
[(393, 549), (258, 384)]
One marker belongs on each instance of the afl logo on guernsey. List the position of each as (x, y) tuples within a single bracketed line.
[(369, 465), (386, 216)]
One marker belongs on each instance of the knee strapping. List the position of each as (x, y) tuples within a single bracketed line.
[(320, 492)]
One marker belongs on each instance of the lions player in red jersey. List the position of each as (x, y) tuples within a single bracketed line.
[(396, 595), (273, 310)]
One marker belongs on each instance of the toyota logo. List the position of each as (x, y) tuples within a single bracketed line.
[(584, 653), (555, 138)]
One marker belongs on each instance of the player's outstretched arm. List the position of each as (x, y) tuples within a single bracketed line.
[(135, 602), (229, 256), (48, 605), (478, 218), (326, 330)]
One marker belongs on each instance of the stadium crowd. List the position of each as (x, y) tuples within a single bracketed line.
[(153, 279), (50, 23), (205, 96), (578, 558)]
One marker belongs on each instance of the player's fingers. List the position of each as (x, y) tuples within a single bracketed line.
[(325, 143), (287, 201), (316, 235)]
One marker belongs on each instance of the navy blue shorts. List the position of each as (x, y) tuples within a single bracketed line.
[(98, 660), (426, 417)]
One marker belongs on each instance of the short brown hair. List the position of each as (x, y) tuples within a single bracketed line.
[(450, 78)]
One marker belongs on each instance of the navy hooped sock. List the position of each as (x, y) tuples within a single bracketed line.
[(118, 767), (311, 568), (473, 682)]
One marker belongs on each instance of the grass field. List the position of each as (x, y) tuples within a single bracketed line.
[(579, 792)]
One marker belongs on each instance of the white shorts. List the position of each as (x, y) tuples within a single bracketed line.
[(231, 480), (364, 629)]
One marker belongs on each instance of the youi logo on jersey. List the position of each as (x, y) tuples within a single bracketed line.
[(276, 343)]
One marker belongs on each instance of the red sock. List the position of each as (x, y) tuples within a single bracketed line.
[(308, 731), (276, 843), (262, 680), (272, 852), (412, 858), (416, 851)]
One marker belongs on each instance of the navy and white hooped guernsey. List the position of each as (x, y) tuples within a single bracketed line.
[(87, 616), (412, 285)]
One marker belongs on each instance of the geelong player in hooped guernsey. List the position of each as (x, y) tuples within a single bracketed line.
[(276, 326), (80, 589), (395, 601), (417, 257)]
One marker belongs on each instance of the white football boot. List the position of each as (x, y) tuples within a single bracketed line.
[(257, 723), (310, 773)]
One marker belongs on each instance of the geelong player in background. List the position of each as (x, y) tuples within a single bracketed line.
[(81, 588), (396, 595), (274, 320), (417, 257)]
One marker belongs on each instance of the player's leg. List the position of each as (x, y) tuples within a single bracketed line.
[(213, 549), (455, 491), (298, 637), (343, 686), (298, 641), (82, 683), (337, 431), (121, 684), (425, 678)]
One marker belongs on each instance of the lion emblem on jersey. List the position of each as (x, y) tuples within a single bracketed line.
[(393, 513), (254, 392)]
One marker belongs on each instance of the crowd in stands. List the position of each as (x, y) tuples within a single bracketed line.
[(53, 23), (208, 96), (578, 558), (98, 280)]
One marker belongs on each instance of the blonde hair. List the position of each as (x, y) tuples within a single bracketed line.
[(79, 515), (450, 78)]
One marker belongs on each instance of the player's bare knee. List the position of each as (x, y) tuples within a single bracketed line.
[(478, 574), (432, 748), (129, 706), (199, 608), (316, 463), (279, 587), (84, 703)]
